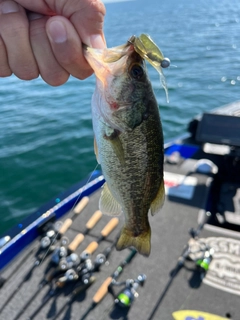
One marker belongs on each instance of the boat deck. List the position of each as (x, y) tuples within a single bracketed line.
[(169, 286)]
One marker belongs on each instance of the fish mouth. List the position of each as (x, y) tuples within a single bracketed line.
[(108, 62)]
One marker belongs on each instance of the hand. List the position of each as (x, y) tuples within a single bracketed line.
[(45, 37)]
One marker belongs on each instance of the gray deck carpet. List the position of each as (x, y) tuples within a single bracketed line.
[(162, 293)]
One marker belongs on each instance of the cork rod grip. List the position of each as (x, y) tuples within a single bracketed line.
[(81, 205), (91, 247), (109, 227), (102, 291), (66, 225), (76, 242), (94, 219)]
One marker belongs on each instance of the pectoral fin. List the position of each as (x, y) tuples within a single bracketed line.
[(112, 135), (157, 203), (118, 149), (107, 204)]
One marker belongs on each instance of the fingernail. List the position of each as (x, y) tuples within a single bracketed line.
[(57, 32), (9, 7), (97, 41)]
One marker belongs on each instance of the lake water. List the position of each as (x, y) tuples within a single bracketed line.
[(46, 138)]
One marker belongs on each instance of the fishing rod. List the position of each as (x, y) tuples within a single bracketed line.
[(181, 260), (103, 290), (61, 251), (46, 244), (101, 258), (63, 254), (47, 231), (124, 299), (38, 260), (73, 245), (66, 273), (65, 265), (52, 234), (127, 295)]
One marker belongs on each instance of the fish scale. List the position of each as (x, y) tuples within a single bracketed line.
[(129, 141)]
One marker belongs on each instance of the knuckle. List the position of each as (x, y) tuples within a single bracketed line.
[(98, 7), (37, 27), (14, 30)]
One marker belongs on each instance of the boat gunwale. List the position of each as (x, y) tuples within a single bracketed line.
[(50, 211)]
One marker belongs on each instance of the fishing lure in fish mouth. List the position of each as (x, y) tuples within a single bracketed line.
[(149, 51)]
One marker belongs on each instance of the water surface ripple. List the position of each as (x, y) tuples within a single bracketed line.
[(46, 138)]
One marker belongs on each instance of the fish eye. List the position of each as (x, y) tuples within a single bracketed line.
[(136, 71)]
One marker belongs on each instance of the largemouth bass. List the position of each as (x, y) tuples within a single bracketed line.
[(128, 141)]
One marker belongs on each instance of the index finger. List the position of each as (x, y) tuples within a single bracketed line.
[(40, 6), (14, 30), (87, 16)]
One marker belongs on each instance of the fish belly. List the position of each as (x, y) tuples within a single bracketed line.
[(132, 164)]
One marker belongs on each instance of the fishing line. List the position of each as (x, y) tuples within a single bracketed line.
[(45, 281), (73, 207), (106, 252), (204, 218), (19, 266), (106, 312), (103, 290), (41, 259), (90, 177), (58, 271), (203, 271)]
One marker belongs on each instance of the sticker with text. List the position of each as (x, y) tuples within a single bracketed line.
[(195, 315)]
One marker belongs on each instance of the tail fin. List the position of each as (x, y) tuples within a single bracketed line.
[(141, 242)]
